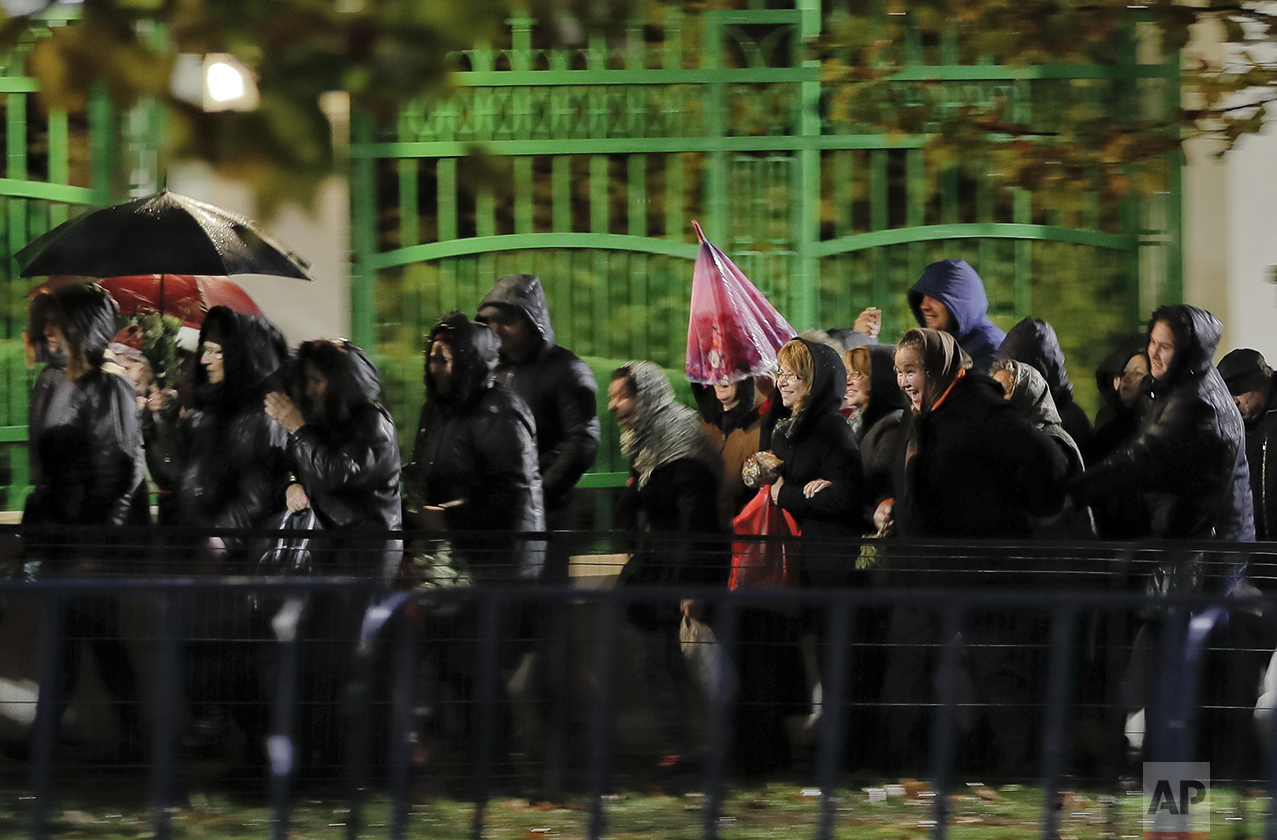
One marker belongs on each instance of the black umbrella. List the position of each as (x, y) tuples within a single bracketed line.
[(165, 233)]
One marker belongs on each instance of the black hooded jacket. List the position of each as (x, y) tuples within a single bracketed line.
[(557, 386), (51, 377), (90, 444), (817, 443), (980, 469), (1034, 342), (1188, 457), (347, 459), (232, 472), (884, 416), (477, 444)]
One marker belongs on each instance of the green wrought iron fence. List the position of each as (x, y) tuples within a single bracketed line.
[(55, 162), (586, 166)]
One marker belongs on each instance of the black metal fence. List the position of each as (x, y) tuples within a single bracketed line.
[(937, 661)]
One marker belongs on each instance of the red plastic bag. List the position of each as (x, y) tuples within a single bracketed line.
[(733, 331), (764, 564)]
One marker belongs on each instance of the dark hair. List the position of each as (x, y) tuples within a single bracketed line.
[(624, 374), (333, 362)]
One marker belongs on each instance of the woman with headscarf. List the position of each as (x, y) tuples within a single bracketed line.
[(90, 482), (674, 481), (972, 467)]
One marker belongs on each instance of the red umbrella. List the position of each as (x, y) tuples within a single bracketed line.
[(186, 296), (733, 331)]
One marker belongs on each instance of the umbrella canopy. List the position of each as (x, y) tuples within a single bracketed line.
[(733, 331), (185, 296), (164, 233)]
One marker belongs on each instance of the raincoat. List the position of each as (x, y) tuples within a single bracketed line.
[(89, 445), (348, 461), (231, 470), (817, 443), (557, 386), (1034, 342), (477, 443), (1188, 457)]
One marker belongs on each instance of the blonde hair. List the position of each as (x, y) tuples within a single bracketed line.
[(797, 357), (858, 359)]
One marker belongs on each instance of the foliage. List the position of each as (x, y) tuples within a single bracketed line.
[(1056, 136), (380, 52), (159, 345)]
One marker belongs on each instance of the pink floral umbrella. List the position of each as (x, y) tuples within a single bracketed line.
[(734, 331)]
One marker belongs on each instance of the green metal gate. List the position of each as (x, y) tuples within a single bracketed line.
[(54, 162), (586, 166)]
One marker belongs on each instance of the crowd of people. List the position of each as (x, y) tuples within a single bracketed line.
[(958, 430)]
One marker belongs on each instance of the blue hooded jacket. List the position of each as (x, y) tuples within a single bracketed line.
[(957, 285)]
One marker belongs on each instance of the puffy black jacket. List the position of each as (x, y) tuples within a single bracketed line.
[(90, 444), (1034, 342), (1188, 457), (231, 471), (347, 459), (557, 386), (815, 444), (477, 443)]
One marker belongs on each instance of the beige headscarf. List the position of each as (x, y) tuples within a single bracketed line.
[(943, 362)]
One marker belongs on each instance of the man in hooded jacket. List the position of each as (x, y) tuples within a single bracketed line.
[(560, 390), (1250, 381), (1187, 460), (950, 296), (1188, 456), (556, 385)]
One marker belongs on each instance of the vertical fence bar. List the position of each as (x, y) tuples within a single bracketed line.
[(720, 725), (834, 693), (1058, 702), (168, 698), (601, 726), (409, 220), (405, 701), (490, 611), (943, 735), (282, 744), (48, 712)]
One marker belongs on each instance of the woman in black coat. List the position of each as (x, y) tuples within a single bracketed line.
[(344, 453), (972, 466), (673, 491), (821, 480), (91, 482)]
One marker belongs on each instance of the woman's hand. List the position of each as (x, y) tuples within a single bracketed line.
[(869, 322), (779, 483), (884, 515), (814, 487), (296, 498), (284, 412)]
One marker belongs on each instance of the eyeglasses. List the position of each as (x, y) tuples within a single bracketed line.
[(786, 376)]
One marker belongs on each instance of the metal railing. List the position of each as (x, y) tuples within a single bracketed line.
[(386, 648)]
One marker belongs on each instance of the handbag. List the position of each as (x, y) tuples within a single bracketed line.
[(764, 564), (288, 555)]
